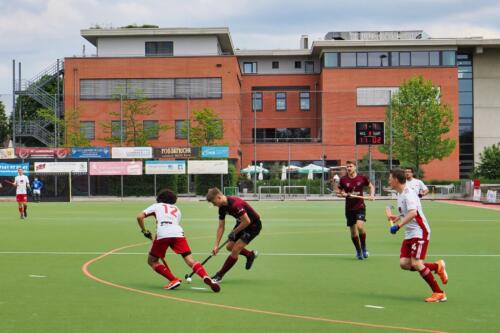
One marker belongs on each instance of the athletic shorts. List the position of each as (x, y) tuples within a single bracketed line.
[(352, 216), (178, 244), (250, 232), (21, 197), (414, 248), (36, 191)]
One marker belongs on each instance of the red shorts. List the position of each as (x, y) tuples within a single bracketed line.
[(178, 244), (414, 248), (21, 197)]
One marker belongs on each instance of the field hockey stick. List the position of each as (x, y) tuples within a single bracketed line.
[(388, 213), (205, 261), (358, 197)]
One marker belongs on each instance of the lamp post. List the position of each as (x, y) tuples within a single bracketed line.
[(121, 139), (254, 147), (390, 130)]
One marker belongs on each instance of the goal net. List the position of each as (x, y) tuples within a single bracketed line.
[(270, 193), (231, 191), (295, 192)]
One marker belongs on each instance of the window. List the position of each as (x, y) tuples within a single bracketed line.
[(404, 58), (305, 101), (420, 58), (280, 101), (276, 64), (250, 67), (298, 64), (330, 60), (87, 129), (448, 58), (348, 59), (434, 58), (465, 85), (282, 135), (362, 59), (309, 66), (151, 129), (159, 49), (257, 101), (181, 129), (395, 59), (115, 129), (378, 96), (378, 59)]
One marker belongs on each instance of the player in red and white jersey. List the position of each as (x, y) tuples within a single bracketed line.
[(355, 209), (417, 235), (169, 233), (415, 184), (22, 184)]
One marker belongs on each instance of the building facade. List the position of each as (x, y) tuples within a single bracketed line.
[(297, 105)]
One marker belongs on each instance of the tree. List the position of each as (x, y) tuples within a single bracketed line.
[(489, 162), (4, 125), (69, 127), (134, 132), (419, 121), (208, 128)]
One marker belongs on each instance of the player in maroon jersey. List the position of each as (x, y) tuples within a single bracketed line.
[(355, 209), (248, 226)]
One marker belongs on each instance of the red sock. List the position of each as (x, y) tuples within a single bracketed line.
[(426, 274), (199, 269), (362, 239), (246, 253), (432, 266), (230, 261), (164, 271), (355, 241)]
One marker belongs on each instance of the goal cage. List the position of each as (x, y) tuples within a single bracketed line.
[(270, 193), (295, 192), (231, 190)]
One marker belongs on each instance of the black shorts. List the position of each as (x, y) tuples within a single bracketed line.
[(250, 232), (352, 216)]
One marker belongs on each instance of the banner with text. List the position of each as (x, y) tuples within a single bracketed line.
[(7, 153), (131, 152), (10, 169), (61, 167), (208, 167), (176, 152), (165, 167), (90, 152), (115, 168), (215, 151), (28, 152)]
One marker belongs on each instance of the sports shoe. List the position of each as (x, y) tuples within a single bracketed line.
[(441, 271), (366, 254), (250, 259), (173, 284), (22, 217), (212, 283), (436, 297), (217, 278), (359, 255)]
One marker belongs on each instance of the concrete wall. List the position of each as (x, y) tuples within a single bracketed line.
[(486, 100), (135, 46)]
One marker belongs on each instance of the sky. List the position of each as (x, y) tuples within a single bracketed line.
[(37, 32)]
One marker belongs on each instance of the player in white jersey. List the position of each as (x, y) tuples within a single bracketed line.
[(22, 184), (417, 234), (169, 233), (415, 184)]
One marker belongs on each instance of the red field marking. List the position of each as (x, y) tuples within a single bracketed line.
[(85, 270), (472, 204)]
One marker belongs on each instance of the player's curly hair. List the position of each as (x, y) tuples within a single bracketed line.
[(166, 196)]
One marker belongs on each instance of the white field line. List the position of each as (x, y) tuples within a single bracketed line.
[(260, 254), (374, 306), (37, 276)]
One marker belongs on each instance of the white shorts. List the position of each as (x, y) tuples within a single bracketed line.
[(36, 191)]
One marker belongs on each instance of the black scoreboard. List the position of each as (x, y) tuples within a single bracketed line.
[(370, 133)]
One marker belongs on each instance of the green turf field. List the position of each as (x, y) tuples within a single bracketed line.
[(306, 278)]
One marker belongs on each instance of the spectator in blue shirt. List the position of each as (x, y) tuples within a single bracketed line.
[(37, 188)]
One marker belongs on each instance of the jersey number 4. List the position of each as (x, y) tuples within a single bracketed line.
[(172, 212)]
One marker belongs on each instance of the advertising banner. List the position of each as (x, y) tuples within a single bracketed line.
[(61, 167), (131, 152), (115, 168), (28, 152), (7, 153), (215, 151), (208, 167), (10, 169), (89, 152), (176, 152), (165, 167)]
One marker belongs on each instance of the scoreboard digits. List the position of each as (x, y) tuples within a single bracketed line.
[(370, 133)]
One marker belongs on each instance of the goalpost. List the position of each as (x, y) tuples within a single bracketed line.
[(231, 190), (295, 192), (270, 193)]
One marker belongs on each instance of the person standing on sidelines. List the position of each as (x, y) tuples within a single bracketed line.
[(355, 209), (417, 235), (22, 184), (169, 233), (415, 184), (37, 189), (248, 226)]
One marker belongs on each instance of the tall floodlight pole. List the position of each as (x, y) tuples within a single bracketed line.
[(188, 126), (121, 139), (13, 103), (322, 170), (390, 129), (254, 146)]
